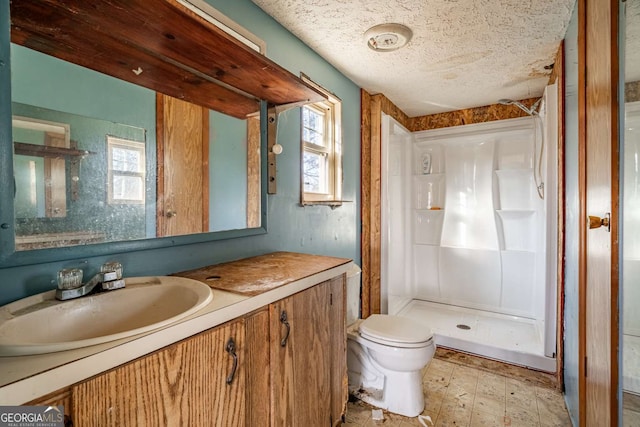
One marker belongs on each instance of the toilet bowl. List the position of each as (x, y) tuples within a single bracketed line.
[(385, 358)]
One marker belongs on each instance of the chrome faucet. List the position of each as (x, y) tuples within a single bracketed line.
[(109, 279)]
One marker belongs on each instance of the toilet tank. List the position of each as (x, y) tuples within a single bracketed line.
[(353, 294)]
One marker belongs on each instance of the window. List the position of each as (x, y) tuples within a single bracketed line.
[(321, 150), (126, 171)]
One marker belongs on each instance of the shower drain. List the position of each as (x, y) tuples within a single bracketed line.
[(465, 327)]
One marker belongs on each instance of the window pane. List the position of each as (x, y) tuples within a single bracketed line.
[(127, 187), (313, 126), (126, 160), (314, 172)]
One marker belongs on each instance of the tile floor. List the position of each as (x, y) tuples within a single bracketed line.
[(630, 410), (466, 396)]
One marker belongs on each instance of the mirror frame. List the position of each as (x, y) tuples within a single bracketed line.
[(9, 257)]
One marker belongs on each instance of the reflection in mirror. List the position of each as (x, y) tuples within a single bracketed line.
[(38, 170), (109, 161), (79, 184), (630, 175)]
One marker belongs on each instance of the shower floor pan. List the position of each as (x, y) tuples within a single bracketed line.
[(496, 336)]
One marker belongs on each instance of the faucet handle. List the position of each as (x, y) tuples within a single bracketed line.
[(70, 278), (111, 267)]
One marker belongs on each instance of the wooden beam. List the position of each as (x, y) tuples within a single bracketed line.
[(162, 46), (365, 200)]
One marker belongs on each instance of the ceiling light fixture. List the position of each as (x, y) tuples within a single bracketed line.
[(387, 37)]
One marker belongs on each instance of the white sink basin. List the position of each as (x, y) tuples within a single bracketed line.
[(42, 324)]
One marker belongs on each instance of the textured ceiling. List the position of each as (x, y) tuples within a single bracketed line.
[(464, 53)]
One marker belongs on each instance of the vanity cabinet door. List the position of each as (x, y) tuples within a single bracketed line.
[(308, 357), (58, 398), (338, 346), (186, 384)]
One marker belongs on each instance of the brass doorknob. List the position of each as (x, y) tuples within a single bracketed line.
[(597, 222), (171, 214)]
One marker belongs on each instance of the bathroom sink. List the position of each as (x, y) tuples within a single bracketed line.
[(42, 324)]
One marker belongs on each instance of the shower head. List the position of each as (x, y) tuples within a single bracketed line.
[(530, 111)]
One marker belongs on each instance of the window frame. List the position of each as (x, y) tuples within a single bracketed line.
[(132, 145), (332, 106)]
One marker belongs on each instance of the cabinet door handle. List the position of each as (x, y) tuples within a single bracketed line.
[(283, 320), (231, 349)]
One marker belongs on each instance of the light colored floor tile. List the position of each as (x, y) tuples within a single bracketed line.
[(433, 398), (551, 408), (491, 385), (520, 393), (463, 385), (441, 365), (484, 419), (357, 413), (523, 416), (630, 418), (454, 413), (462, 392), (489, 405), (434, 377), (464, 372)]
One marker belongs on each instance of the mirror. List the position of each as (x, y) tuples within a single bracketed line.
[(630, 184), (109, 188), (98, 160)]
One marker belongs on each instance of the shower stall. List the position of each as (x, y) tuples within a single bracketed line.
[(469, 246), (631, 250)]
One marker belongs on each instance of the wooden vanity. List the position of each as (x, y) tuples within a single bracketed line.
[(274, 355)]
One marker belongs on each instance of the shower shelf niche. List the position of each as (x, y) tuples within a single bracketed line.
[(428, 159), (428, 191)]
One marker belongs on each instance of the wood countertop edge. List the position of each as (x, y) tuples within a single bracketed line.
[(35, 380)]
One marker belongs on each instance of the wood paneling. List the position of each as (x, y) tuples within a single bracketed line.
[(182, 385), (302, 370), (375, 204), (258, 374), (166, 48), (183, 188), (365, 200), (338, 346), (391, 109), (254, 213), (57, 398), (558, 78), (469, 116), (602, 166)]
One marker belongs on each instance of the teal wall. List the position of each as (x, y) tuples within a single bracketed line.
[(315, 229), (571, 227)]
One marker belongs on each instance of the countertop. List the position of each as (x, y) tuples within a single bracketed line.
[(243, 286)]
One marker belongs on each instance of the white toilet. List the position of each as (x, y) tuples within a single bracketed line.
[(385, 357)]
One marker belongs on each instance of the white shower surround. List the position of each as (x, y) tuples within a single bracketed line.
[(473, 233), (631, 250)]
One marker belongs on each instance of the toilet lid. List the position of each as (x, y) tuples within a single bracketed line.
[(395, 329)]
